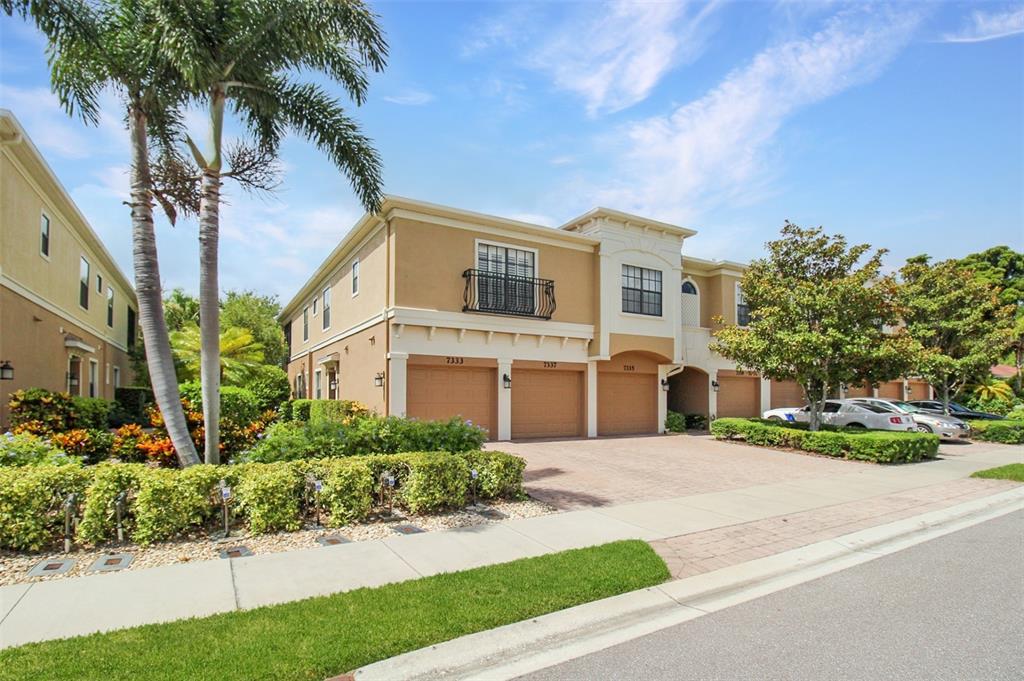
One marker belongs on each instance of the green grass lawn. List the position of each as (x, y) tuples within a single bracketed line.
[(320, 637), (1013, 471)]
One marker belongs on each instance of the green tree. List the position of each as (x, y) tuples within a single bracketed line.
[(1003, 268), (255, 53), (958, 320), (257, 313), (240, 355), (180, 309), (818, 316), (94, 47)]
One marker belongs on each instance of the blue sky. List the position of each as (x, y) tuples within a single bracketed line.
[(900, 125)]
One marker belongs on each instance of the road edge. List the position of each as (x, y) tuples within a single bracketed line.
[(523, 647)]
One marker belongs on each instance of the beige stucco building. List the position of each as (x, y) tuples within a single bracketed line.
[(67, 312), (596, 328)]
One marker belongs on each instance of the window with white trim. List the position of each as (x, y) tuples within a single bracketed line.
[(513, 288), (327, 308), (44, 235), (117, 377), (315, 301), (641, 290), (94, 369), (99, 283), (83, 283), (742, 309), (355, 277), (110, 307), (316, 385), (305, 324)]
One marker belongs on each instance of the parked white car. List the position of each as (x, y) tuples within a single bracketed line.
[(946, 427), (849, 413)]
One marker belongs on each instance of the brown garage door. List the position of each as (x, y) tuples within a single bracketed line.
[(739, 396), (547, 403), (893, 390), (786, 394), (627, 404), (919, 390), (438, 392)]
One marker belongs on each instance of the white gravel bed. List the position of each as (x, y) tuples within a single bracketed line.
[(14, 567)]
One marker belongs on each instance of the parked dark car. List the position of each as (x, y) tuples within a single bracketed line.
[(958, 410)]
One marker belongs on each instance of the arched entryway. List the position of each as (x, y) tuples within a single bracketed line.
[(688, 391), (628, 393)]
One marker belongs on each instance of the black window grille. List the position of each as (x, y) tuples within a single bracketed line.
[(641, 290)]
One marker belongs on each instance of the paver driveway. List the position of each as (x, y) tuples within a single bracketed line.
[(607, 471)]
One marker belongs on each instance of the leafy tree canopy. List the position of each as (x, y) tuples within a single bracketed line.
[(821, 314)]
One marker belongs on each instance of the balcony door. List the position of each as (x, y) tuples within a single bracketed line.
[(506, 281)]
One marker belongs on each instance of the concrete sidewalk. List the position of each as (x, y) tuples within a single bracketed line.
[(70, 607)]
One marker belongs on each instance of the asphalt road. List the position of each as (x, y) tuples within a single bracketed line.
[(951, 608)]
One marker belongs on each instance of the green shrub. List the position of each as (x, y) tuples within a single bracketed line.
[(269, 385), (40, 409), (300, 410), (1008, 432), (1017, 414), (26, 449), (92, 446), (170, 501), (90, 413), (99, 509), (31, 498), (267, 496), (434, 482), (675, 422), (498, 474), (131, 403), (867, 445), (696, 422), (336, 411), (348, 488), (236, 404)]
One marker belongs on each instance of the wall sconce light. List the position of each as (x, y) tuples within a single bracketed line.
[(6, 371), (333, 385), (843, 387), (378, 380), (506, 380), (910, 388), (664, 384), (714, 385)]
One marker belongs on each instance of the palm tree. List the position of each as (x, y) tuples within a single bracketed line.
[(112, 45), (251, 52), (993, 389), (240, 355)]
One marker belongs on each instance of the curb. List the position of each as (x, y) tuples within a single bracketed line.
[(523, 647)]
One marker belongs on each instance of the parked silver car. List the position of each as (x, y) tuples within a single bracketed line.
[(848, 413), (946, 427)]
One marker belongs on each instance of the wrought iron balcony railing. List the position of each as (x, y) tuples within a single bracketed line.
[(495, 293)]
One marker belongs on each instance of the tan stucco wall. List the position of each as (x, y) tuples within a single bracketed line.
[(621, 342), (23, 201), (347, 310), (32, 340), (360, 357), (430, 260)]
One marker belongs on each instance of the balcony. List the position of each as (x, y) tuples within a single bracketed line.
[(495, 293)]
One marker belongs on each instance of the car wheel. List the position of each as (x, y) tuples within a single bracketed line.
[(861, 426), (774, 418), (923, 428)]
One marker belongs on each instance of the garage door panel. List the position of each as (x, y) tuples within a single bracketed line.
[(919, 390), (627, 404), (739, 396), (547, 403), (892, 390), (786, 394), (436, 393)]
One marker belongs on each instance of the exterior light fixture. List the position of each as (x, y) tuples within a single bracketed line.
[(664, 384), (910, 389), (506, 380), (6, 371), (714, 385), (378, 380), (843, 387)]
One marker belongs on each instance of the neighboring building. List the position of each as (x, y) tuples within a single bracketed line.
[(596, 328), (67, 313)]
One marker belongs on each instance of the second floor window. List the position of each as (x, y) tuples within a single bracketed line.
[(130, 339), (641, 290), (305, 324), (327, 309), (742, 309), (44, 236), (110, 307), (99, 283), (355, 278), (506, 278), (83, 283)]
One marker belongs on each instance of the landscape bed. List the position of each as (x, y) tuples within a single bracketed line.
[(878, 446), (320, 637), (1010, 432)]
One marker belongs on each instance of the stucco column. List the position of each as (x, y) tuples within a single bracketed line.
[(591, 399), (766, 395), (712, 397), (505, 400), (397, 372), (663, 370), (906, 387)]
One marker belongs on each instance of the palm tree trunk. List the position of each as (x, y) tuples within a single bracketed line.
[(147, 289), (209, 312), (209, 291)]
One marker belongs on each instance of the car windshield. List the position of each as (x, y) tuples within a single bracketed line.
[(905, 406)]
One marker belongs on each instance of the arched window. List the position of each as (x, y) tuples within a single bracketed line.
[(691, 304)]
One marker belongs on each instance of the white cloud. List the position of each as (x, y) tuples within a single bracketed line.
[(716, 149), (614, 57), (53, 131), (410, 98), (989, 26), (562, 160), (510, 28)]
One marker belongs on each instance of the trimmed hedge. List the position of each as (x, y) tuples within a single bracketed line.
[(879, 446), (1008, 432), (336, 411), (299, 410), (163, 503)]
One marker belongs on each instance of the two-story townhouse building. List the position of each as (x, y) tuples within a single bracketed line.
[(430, 312), (67, 312)]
